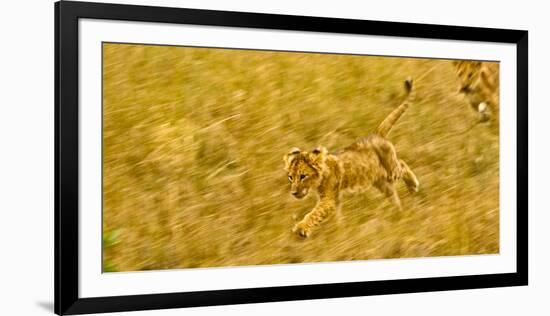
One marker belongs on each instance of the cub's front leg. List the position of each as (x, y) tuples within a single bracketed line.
[(315, 217)]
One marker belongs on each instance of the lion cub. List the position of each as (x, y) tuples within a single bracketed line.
[(479, 82), (370, 161)]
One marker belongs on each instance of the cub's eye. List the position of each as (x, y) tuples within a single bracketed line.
[(290, 178), (303, 176)]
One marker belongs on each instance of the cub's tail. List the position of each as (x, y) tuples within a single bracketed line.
[(385, 127)]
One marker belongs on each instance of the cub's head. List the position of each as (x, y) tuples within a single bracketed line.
[(305, 170)]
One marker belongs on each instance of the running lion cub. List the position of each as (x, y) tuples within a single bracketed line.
[(370, 161)]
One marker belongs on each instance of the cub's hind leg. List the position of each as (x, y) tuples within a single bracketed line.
[(388, 158), (409, 177), (388, 189)]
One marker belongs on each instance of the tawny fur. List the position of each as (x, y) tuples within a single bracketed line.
[(370, 161), (479, 82)]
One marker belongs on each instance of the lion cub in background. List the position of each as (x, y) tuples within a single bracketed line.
[(479, 82), (370, 161)]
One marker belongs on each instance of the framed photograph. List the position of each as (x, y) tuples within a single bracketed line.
[(209, 158)]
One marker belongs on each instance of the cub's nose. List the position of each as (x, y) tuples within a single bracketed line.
[(294, 193)]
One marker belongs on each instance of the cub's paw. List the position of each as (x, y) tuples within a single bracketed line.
[(484, 113), (301, 230), (413, 185)]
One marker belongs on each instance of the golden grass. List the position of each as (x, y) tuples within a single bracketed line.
[(193, 141)]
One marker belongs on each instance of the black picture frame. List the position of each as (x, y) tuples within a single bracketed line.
[(67, 15)]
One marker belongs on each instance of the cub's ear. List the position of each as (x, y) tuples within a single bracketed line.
[(292, 154), (317, 157)]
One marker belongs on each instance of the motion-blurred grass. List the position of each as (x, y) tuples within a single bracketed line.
[(193, 140)]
